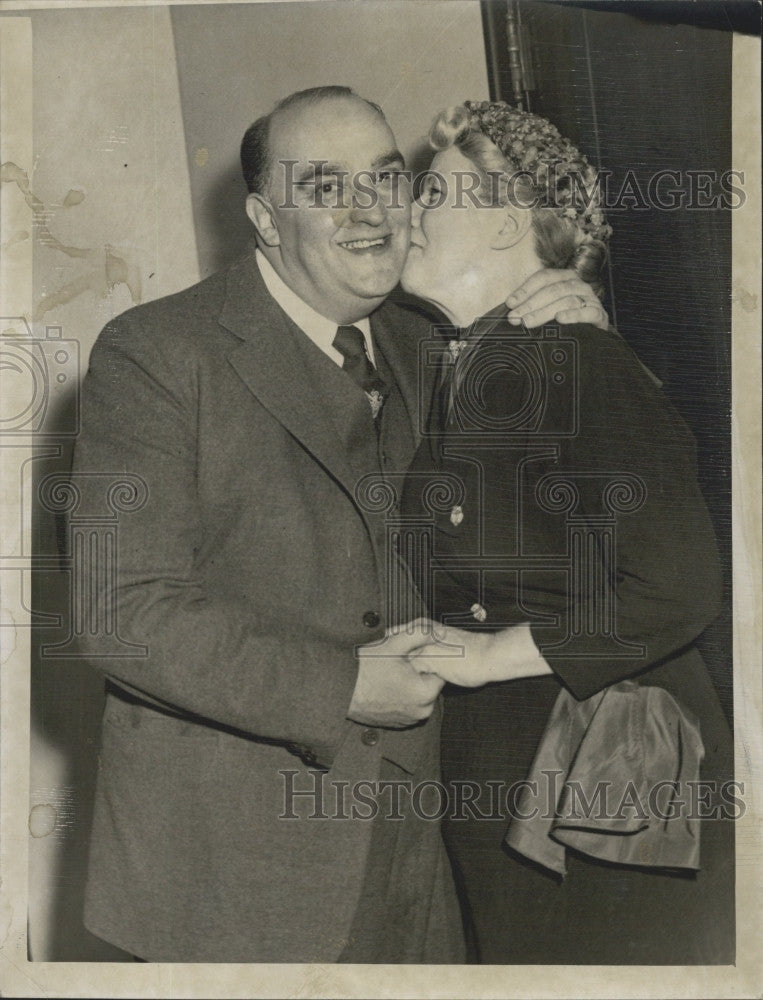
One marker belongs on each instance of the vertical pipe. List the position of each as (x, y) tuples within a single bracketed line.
[(492, 50), (515, 55), (595, 120)]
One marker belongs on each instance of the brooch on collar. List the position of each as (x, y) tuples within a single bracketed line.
[(376, 400), (454, 349)]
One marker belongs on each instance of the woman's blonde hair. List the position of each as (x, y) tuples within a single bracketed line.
[(520, 154)]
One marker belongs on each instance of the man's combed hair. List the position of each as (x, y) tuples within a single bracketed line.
[(255, 151)]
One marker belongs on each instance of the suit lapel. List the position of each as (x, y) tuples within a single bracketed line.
[(271, 363)]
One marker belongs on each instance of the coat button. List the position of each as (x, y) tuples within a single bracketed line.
[(456, 516), (371, 619), (370, 737)]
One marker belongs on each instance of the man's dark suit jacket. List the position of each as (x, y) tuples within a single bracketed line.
[(249, 575)]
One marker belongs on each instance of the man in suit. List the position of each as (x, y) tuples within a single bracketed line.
[(251, 406)]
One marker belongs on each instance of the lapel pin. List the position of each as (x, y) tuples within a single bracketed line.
[(376, 400)]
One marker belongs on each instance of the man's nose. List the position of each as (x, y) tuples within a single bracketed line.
[(367, 206)]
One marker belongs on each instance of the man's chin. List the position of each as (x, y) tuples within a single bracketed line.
[(381, 286)]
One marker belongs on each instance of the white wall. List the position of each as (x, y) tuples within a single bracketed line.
[(108, 209), (413, 57)]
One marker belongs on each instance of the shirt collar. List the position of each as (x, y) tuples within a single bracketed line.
[(319, 329)]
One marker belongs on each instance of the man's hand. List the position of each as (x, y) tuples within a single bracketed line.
[(389, 692), (556, 295)]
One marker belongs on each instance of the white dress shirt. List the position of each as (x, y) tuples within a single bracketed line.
[(319, 329)]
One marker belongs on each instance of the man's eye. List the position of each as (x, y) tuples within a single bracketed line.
[(327, 187), (387, 176)]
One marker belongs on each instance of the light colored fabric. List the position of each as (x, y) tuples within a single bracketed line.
[(319, 329), (616, 767)]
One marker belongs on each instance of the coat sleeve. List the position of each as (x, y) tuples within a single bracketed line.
[(203, 655), (664, 578)]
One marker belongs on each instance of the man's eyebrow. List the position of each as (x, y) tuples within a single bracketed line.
[(393, 156), (321, 168), (317, 169)]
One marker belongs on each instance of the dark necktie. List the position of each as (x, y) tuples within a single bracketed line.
[(351, 344)]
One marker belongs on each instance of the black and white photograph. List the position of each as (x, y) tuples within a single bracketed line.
[(380, 600)]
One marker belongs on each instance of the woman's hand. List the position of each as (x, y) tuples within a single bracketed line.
[(556, 295), (471, 659)]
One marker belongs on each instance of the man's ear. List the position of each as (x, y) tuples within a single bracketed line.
[(261, 214), (515, 225)]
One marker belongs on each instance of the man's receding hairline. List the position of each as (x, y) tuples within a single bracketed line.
[(257, 152), (316, 101)]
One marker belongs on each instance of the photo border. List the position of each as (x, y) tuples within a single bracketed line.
[(21, 978)]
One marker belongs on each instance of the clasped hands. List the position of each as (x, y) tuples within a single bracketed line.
[(400, 677)]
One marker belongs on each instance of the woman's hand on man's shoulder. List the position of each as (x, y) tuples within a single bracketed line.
[(560, 296)]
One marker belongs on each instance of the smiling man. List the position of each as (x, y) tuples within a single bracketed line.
[(341, 257), (252, 405)]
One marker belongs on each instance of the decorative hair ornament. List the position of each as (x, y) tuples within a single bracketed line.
[(532, 145)]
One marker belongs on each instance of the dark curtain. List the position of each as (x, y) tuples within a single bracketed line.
[(642, 93)]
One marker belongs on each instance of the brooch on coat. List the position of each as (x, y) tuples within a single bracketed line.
[(454, 349), (456, 516), (376, 399)]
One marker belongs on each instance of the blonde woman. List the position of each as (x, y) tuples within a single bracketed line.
[(535, 428)]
